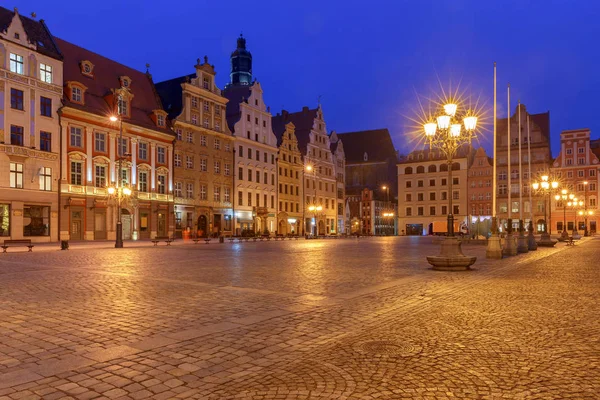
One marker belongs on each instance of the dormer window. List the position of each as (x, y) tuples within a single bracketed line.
[(87, 68), (160, 120), (17, 36), (123, 107), (76, 94), (206, 83)]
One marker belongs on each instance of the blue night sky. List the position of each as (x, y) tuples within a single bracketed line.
[(366, 59)]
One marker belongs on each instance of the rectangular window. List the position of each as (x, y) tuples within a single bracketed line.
[(46, 73), (45, 141), (240, 151), (249, 199), (408, 211), (444, 210), (217, 193), (100, 142), (143, 151), (205, 105), (76, 94), (189, 191), (76, 175), (179, 134), (249, 175), (203, 165), (194, 119), (420, 211), (160, 120), (45, 106), (432, 210), (205, 124), (217, 144), (217, 165), (160, 155), (122, 107), (16, 99), (121, 146), (432, 182), (432, 196), (258, 177), (16, 135), (257, 155), (272, 179), (100, 176), (240, 199), (39, 220), (592, 172), (455, 210), (420, 197), (16, 64), (419, 183), (189, 137), (177, 160), (257, 200), (143, 181), (250, 154), (240, 173), (161, 179), (178, 189), (227, 195), (4, 220), (408, 184), (16, 175), (227, 170)]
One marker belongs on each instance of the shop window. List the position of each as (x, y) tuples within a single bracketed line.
[(36, 220)]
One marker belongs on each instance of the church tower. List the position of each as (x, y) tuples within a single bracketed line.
[(241, 64)]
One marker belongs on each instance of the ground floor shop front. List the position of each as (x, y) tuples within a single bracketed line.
[(91, 218), (35, 218), (197, 221)]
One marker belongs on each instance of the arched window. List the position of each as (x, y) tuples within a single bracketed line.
[(420, 169), (432, 168), (455, 166), (443, 167), (407, 170)]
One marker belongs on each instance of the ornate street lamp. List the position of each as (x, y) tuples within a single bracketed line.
[(545, 187), (585, 226), (564, 196), (576, 204), (119, 193), (447, 135)]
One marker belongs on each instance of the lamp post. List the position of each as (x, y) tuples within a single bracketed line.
[(447, 135), (387, 215), (585, 226), (313, 207), (119, 189), (563, 196), (545, 186)]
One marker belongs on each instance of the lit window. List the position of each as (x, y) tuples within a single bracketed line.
[(143, 181), (123, 107), (227, 195), (76, 174), (178, 189), (16, 175), (161, 120), (179, 134), (100, 176), (217, 194), (161, 179), (16, 64), (46, 73), (203, 192)]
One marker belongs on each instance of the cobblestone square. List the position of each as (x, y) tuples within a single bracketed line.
[(308, 319)]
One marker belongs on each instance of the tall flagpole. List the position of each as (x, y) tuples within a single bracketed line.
[(531, 243), (510, 247), (522, 246), (494, 249), (509, 165)]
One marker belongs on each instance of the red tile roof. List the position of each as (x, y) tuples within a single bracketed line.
[(106, 77), (37, 32)]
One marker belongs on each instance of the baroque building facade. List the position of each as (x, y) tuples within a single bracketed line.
[(576, 167), (94, 157), (31, 85), (479, 193), (290, 175), (255, 167), (203, 160), (423, 191), (320, 184), (339, 161)]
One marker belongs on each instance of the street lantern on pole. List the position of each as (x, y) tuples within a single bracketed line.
[(448, 132), (545, 187), (119, 190), (576, 204)]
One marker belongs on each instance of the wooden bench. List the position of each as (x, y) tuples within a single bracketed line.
[(570, 241), (207, 240), (196, 240), (167, 239), (16, 243)]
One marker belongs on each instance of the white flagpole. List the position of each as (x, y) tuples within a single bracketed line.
[(509, 228), (494, 177), (520, 171), (529, 171)]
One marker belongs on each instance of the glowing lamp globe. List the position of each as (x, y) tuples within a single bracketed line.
[(111, 190), (455, 130), (450, 109), (126, 191), (470, 123), (443, 121), (545, 185), (554, 184), (535, 185), (430, 128)]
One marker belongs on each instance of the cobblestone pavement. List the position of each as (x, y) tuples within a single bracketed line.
[(318, 319)]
